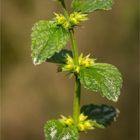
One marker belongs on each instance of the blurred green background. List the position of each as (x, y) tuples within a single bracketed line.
[(34, 94)]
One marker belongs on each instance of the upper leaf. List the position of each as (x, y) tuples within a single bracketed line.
[(87, 6), (103, 78), (60, 57), (55, 130), (47, 39), (102, 114)]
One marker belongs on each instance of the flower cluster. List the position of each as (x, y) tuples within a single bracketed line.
[(82, 61), (67, 120), (77, 17), (68, 22), (83, 124)]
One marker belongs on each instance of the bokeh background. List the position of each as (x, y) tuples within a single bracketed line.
[(33, 94)]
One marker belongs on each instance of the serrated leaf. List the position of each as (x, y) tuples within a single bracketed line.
[(103, 78), (47, 39), (60, 57), (102, 114), (55, 130), (87, 6)]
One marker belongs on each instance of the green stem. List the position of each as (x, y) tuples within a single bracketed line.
[(76, 104), (74, 47), (77, 94)]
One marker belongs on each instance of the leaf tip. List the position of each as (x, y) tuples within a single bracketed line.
[(35, 61), (115, 99)]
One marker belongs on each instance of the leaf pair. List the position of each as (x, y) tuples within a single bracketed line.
[(102, 114), (48, 38), (101, 77)]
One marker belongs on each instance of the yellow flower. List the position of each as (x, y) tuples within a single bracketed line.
[(80, 17), (69, 64), (68, 22), (60, 18), (74, 21), (83, 61), (85, 124), (86, 61), (88, 125), (77, 17), (67, 120), (81, 127), (82, 117), (77, 69), (66, 25), (69, 59)]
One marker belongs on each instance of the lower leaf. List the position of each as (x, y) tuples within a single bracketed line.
[(102, 114), (56, 130)]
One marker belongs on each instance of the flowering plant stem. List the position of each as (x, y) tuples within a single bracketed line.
[(77, 91), (77, 94), (49, 37)]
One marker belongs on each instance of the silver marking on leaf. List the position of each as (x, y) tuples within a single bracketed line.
[(53, 132), (35, 61), (66, 137)]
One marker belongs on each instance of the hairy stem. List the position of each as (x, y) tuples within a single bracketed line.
[(74, 47), (77, 91), (76, 104), (77, 94)]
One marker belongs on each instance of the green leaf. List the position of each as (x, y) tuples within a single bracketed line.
[(55, 130), (103, 78), (60, 57), (102, 114), (47, 39), (87, 6)]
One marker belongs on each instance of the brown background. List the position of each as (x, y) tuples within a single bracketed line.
[(34, 94)]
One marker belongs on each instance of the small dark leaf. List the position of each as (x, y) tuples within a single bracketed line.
[(60, 57), (102, 114)]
